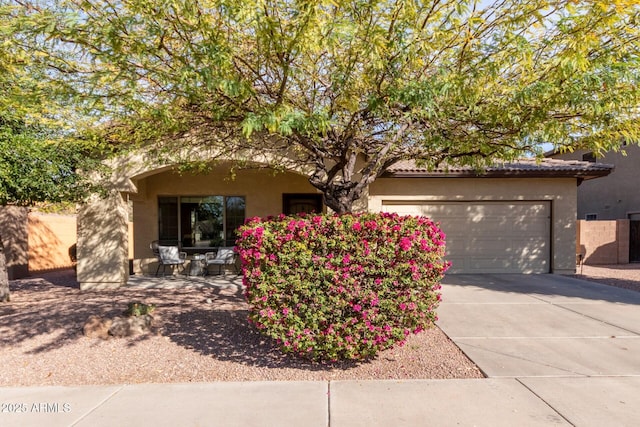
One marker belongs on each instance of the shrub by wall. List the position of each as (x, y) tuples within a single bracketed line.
[(336, 287)]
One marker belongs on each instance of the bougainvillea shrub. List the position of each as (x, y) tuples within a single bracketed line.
[(340, 287)]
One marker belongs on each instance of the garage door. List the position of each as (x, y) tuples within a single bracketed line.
[(489, 237)]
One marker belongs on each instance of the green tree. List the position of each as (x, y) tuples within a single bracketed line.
[(40, 160), (349, 88), (35, 169)]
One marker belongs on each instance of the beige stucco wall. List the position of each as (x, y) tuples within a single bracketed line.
[(561, 192), (262, 190), (616, 195), (52, 239), (48, 240)]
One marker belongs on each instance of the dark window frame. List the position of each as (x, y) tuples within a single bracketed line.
[(176, 231), (288, 200)]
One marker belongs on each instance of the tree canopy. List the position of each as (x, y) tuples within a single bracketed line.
[(33, 169), (348, 88), (41, 155)]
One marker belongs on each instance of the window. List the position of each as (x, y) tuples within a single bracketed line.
[(591, 217), (168, 219), (200, 222), (298, 203)]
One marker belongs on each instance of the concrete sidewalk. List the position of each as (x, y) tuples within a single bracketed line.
[(488, 402), (558, 351)]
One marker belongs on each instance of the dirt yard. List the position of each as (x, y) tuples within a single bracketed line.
[(201, 335), (625, 276)]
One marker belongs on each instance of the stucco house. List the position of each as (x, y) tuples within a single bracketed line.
[(515, 217), (613, 201)]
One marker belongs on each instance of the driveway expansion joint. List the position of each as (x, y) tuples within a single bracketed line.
[(99, 404), (545, 402)]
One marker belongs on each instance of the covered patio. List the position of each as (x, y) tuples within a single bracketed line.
[(196, 211)]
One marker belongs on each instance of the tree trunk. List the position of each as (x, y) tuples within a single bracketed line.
[(339, 203), (340, 197), (4, 275), (341, 185)]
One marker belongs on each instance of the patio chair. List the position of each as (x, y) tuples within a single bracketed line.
[(223, 257), (168, 255)]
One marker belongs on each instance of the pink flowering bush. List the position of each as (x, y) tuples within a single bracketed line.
[(336, 287)]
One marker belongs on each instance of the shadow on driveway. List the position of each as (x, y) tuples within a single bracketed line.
[(545, 285)]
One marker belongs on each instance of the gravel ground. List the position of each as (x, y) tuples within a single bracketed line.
[(201, 336), (625, 276)]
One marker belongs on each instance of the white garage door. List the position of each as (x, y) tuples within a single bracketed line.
[(489, 237)]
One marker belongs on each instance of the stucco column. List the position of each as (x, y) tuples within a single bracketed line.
[(103, 243), (564, 233)]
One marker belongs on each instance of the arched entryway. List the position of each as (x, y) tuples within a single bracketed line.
[(196, 209)]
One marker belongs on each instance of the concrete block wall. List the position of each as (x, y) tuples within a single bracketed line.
[(603, 242)]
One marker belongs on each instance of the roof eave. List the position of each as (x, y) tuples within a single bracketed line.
[(583, 175)]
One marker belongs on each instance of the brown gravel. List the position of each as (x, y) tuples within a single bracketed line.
[(625, 276), (202, 336)]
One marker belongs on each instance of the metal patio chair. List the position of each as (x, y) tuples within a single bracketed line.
[(223, 257), (168, 256)]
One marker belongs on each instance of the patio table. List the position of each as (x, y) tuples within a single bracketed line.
[(197, 266)]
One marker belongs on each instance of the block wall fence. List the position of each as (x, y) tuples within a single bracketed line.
[(603, 242)]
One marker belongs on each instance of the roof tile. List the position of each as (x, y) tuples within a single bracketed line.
[(524, 167)]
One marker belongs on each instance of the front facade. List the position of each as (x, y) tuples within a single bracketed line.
[(518, 218), (512, 218)]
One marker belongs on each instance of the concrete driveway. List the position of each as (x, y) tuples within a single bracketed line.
[(575, 344)]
